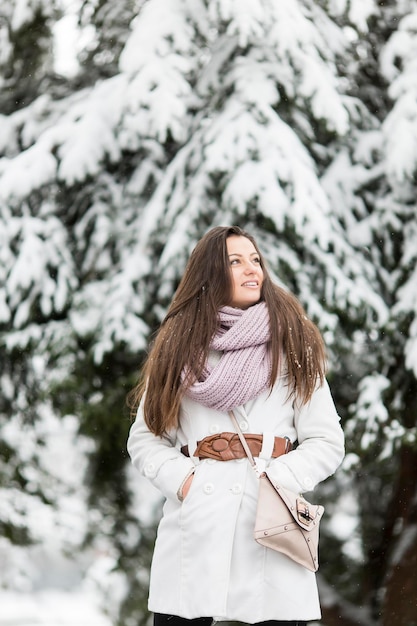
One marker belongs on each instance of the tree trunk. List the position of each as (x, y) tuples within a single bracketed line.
[(400, 601)]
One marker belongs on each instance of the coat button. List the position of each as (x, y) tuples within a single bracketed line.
[(244, 425), (208, 488), (213, 428), (149, 470), (308, 483), (236, 489)]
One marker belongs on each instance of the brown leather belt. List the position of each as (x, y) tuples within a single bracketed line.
[(227, 446)]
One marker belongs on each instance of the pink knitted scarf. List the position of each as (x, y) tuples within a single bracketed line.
[(244, 369)]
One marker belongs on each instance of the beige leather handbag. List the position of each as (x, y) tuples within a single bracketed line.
[(285, 521)]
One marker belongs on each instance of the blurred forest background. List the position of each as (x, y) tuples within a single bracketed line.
[(127, 129)]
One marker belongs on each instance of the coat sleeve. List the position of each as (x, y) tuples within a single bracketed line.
[(321, 445), (157, 458)]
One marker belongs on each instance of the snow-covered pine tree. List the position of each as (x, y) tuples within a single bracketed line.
[(382, 426), (220, 111), (385, 414), (58, 485)]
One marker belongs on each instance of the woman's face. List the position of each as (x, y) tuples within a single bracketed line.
[(247, 273)]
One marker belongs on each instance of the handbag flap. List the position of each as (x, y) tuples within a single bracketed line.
[(306, 515)]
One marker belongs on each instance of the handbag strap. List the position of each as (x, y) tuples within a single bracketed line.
[(242, 439)]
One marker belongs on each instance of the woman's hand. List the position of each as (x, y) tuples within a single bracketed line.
[(186, 486)]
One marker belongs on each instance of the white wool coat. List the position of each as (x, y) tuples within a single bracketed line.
[(206, 562)]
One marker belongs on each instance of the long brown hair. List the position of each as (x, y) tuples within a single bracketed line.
[(183, 340)]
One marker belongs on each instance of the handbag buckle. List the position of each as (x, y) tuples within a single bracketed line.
[(303, 511)]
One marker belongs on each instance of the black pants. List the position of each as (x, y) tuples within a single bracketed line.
[(173, 620)]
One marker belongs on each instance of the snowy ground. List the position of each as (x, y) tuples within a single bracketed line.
[(50, 608)]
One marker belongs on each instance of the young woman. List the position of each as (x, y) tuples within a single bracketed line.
[(231, 339)]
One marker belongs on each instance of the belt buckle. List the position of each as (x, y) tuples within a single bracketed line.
[(220, 444)]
